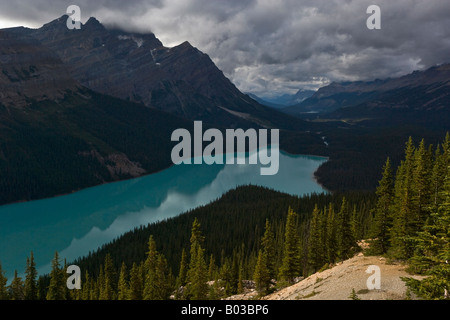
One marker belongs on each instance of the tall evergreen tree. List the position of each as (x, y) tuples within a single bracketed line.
[(107, 286), (432, 254), (344, 234), (150, 290), (315, 248), (122, 285), (331, 240), (197, 275), (57, 288), (261, 274), (30, 279), (86, 288), (16, 288), (382, 223), (3, 285), (268, 246), (136, 283), (291, 263)]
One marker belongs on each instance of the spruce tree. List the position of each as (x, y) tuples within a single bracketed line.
[(405, 221), (432, 254), (16, 288), (150, 288), (197, 286), (315, 248), (379, 232), (30, 279), (107, 289), (3, 285), (86, 288), (344, 234), (291, 263), (136, 283), (122, 285), (261, 274), (182, 274), (57, 287), (268, 246), (197, 275), (331, 241)]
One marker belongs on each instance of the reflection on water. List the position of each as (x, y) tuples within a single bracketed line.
[(80, 222)]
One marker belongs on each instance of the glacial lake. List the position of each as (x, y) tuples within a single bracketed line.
[(80, 222)]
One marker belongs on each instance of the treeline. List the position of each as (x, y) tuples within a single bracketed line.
[(273, 239)]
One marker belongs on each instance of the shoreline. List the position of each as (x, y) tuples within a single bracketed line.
[(158, 171)]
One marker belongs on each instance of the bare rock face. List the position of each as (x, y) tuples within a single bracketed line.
[(44, 63), (137, 67), (29, 71)]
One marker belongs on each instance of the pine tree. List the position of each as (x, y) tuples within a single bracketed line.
[(107, 287), (30, 279), (432, 254), (16, 288), (382, 223), (136, 283), (3, 285), (268, 246), (182, 274), (197, 287), (421, 183), (197, 276), (404, 224), (122, 285), (150, 289), (291, 263), (331, 241), (211, 268), (86, 288), (261, 274), (315, 248), (437, 178), (344, 234), (57, 287)]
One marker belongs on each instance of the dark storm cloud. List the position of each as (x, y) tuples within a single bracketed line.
[(278, 46)]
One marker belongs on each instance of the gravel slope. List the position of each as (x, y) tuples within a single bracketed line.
[(337, 283)]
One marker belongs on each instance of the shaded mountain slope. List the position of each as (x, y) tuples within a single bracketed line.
[(137, 67)]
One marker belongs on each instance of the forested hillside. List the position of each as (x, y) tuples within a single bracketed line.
[(272, 238)]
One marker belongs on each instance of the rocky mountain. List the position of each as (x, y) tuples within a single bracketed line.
[(83, 107), (30, 71), (137, 67), (419, 91)]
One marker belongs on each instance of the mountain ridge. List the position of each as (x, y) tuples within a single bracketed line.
[(433, 83)]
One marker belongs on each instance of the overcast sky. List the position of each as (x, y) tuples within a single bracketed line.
[(270, 47)]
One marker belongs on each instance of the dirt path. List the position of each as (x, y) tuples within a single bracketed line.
[(337, 283)]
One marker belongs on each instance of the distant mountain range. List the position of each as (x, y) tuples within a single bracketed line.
[(408, 96), (284, 100)]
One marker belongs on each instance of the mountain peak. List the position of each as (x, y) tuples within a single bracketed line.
[(93, 23)]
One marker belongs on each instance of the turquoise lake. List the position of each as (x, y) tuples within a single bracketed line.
[(80, 222)]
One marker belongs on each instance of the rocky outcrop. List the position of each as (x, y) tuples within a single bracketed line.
[(30, 72)]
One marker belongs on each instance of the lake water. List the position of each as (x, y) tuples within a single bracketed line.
[(77, 223)]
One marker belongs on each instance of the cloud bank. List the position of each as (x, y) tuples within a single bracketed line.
[(270, 47)]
